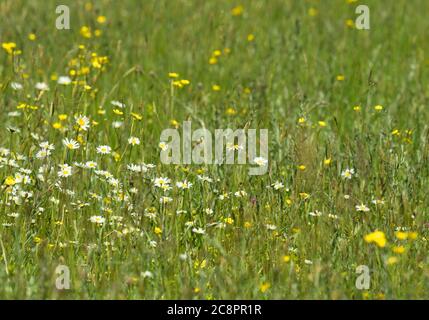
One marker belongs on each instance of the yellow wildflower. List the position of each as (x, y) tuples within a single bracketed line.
[(398, 249), (264, 287), (392, 260), (286, 259), (377, 237), (216, 87), (9, 47), (401, 235), (350, 23), (85, 32), (9, 181), (237, 11), (312, 12), (231, 111), (229, 220), (136, 116), (101, 19)]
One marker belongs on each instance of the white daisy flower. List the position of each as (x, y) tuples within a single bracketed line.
[(184, 184), (136, 167), (97, 220), (260, 161), (271, 227), (240, 194), (90, 164), (43, 153), (233, 147), (165, 200), (71, 144), (104, 149), (316, 213), (377, 201), (348, 173), (117, 104), (205, 179), (278, 185), (163, 183), (16, 86), (46, 145), (65, 171), (134, 141), (41, 86), (14, 114), (361, 207), (64, 80), (147, 274), (198, 230), (117, 124), (163, 146), (82, 122)]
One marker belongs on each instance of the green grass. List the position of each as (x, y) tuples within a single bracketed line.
[(288, 72)]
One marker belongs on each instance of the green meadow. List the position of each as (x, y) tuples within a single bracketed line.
[(89, 211)]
